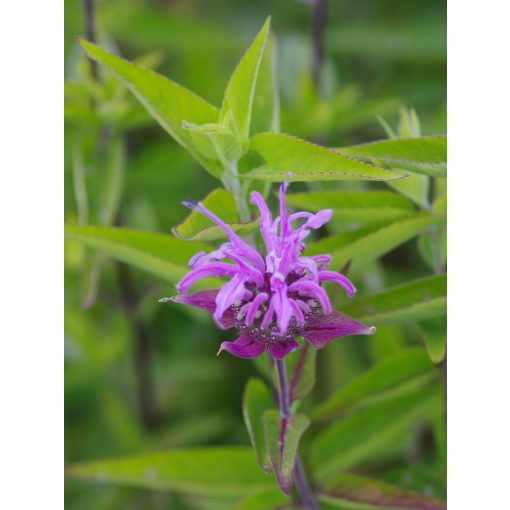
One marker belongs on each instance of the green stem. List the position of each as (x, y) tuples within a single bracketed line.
[(302, 486)]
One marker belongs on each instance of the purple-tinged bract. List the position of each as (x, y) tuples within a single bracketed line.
[(271, 299)]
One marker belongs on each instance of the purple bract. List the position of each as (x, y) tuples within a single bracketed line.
[(275, 298)]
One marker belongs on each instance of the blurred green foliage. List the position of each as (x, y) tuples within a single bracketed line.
[(141, 376)]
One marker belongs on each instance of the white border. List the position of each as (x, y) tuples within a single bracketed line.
[(31, 271)]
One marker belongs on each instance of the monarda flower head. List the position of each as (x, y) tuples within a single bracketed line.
[(271, 298)]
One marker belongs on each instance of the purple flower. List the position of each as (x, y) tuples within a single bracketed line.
[(275, 298)]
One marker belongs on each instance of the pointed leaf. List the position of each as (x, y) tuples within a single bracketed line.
[(425, 155), (434, 335), (368, 244), (360, 206), (387, 375), (222, 471), (365, 434), (158, 254), (265, 114), (197, 227), (290, 158), (416, 300), (415, 187), (169, 103), (236, 109), (257, 400), (283, 436), (346, 491)]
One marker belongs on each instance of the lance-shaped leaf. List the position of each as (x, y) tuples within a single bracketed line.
[(292, 159), (198, 227), (416, 300), (237, 106), (434, 335), (265, 115), (361, 206), (425, 155), (301, 371), (157, 254), (389, 374), (373, 430), (369, 243), (169, 103), (224, 471), (257, 399), (283, 436), (350, 491)]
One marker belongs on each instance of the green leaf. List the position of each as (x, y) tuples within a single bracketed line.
[(301, 371), (265, 500), (257, 399), (158, 254), (282, 437), (236, 109), (169, 103), (416, 300), (386, 375), (350, 491), (361, 206), (434, 335), (426, 155), (292, 159), (222, 471), (368, 244), (415, 187), (198, 227), (266, 108), (363, 435), (215, 141)]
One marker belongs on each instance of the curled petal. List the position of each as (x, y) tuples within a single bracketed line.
[(218, 269), (338, 278), (206, 300), (322, 261), (280, 349), (244, 347), (297, 312), (321, 330), (231, 292), (312, 290), (281, 304)]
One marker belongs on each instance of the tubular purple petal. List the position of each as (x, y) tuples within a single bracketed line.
[(254, 307), (338, 278), (218, 269), (311, 289)]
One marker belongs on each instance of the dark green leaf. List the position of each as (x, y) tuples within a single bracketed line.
[(227, 471), (350, 491), (293, 159), (416, 300), (426, 155), (282, 437), (157, 254), (257, 400), (200, 228), (388, 374), (363, 435)]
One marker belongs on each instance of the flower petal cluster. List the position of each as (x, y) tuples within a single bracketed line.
[(271, 298)]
